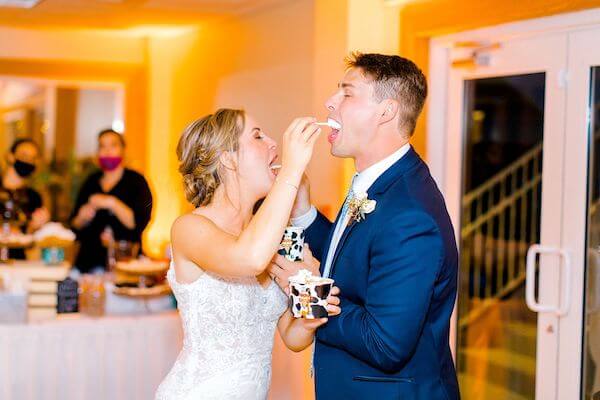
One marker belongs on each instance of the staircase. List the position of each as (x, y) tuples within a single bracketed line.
[(497, 333)]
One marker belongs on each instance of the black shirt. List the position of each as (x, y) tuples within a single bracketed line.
[(26, 200), (132, 189)]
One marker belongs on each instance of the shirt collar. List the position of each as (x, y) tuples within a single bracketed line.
[(363, 181)]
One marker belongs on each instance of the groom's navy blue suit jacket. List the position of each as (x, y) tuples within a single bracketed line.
[(397, 271)]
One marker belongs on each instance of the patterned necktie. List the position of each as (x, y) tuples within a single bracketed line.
[(339, 229), (349, 198)]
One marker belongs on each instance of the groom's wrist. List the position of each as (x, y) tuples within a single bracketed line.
[(300, 210), (304, 220)]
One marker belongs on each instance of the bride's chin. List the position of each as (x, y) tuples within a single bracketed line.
[(264, 188)]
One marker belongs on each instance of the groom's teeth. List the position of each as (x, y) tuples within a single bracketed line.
[(276, 166)]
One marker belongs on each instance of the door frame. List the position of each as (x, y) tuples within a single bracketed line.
[(582, 58), (444, 153)]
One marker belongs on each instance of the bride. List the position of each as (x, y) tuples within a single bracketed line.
[(228, 304)]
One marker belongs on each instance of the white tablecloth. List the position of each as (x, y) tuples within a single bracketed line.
[(83, 358)]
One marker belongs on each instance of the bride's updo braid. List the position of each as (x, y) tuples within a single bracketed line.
[(200, 148)]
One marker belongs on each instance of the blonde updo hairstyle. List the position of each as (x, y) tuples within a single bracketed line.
[(200, 148)]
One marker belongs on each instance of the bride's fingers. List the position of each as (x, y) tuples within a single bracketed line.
[(310, 131), (335, 291), (313, 139), (302, 126), (273, 270), (310, 137), (292, 126)]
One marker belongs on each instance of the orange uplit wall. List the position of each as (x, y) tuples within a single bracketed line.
[(421, 21), (183, 74)]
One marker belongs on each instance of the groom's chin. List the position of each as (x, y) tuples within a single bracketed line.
[(335, 151), (338, 153)]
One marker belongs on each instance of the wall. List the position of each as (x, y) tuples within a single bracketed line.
[(71, 45), (95, 112), (183, 74), (273, 76), (80, 55)]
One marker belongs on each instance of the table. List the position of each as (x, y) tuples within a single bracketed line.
[(77, 357)]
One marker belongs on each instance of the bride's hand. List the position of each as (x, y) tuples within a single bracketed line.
[(333, 309), (298, 144)]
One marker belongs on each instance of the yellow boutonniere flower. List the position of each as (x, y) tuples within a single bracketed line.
[(360, 205)]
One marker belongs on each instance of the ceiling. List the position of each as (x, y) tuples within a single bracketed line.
[(127, 13)]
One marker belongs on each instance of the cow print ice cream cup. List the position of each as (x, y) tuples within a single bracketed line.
[(308, 295), (292, 244)]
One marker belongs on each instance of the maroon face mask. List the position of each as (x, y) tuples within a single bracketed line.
[(109, 163)]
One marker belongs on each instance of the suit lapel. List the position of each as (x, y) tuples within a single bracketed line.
[(340, 245), (376, 191)]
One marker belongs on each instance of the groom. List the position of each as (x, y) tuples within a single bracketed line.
[(391, 249)]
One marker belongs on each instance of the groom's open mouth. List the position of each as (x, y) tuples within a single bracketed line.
[(335, 130)]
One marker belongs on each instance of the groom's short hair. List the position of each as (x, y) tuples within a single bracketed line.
[(397, 78)]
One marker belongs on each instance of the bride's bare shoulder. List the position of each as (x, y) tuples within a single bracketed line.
[(191, 225)]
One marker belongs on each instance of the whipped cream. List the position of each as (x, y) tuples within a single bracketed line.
[(302, 276), (332, 123), (305, 277)]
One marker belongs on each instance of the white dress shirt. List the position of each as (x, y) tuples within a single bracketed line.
[(360, 184)]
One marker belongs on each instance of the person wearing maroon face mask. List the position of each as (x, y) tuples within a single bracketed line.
[(22, 159), (115, 197)]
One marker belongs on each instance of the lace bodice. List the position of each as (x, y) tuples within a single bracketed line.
[(228, 325)]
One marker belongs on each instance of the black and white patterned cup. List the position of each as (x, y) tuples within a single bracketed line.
[(292, 244), (308, 298)]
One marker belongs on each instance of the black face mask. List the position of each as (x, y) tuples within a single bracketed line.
[(24, 169)]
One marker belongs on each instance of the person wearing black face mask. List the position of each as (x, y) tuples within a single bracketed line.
[(22, 161)]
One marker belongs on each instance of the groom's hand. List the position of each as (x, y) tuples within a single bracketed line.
[(333, 309), (281, 268)]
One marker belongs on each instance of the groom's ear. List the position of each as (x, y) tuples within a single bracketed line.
[(388, 109)]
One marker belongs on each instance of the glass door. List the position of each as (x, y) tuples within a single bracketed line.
[(579, 357), (520, 170), (504, 150), (591, 318)]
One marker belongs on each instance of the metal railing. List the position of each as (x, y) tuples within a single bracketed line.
[(500, 219)]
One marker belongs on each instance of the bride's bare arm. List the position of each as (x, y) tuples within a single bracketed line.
[(202, 242), (299, 333)]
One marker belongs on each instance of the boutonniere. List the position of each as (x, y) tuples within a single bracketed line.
[(360, 205)]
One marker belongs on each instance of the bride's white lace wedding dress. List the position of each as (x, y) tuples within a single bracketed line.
[(229, 327)]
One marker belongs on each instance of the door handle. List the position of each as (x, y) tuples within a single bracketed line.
[(565, 281)]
